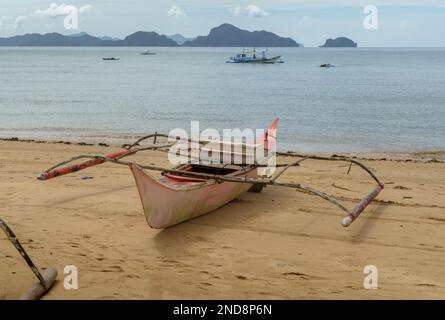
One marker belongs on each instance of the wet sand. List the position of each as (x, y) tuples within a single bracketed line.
[(280, 244)]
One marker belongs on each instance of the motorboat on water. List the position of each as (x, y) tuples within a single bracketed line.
[(147, 53), (254, 57)]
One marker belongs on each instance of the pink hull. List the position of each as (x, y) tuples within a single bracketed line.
[(167, 202)]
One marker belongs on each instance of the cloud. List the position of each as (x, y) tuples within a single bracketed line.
[(236, 11), (255, 11), (18, 22), (54, 10), (86, 8), (175, 12), (252, 10)]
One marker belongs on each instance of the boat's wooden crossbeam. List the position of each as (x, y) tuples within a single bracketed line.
[(333, 158), (94, 160)]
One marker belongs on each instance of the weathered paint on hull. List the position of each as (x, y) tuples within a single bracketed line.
[(166, 204)]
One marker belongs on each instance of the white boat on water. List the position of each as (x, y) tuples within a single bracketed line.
[(253, 57), (147, 53)]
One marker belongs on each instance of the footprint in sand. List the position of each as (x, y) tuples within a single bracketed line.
[(401, 188), (113, 269), (425, 285), (299, 274), (436, 219), (207, 284), (110, 269)]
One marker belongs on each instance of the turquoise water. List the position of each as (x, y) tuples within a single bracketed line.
[(372, 100)]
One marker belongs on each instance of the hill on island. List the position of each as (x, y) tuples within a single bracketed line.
[(341, 42), (227, 35), (140, 38), (51, 39)]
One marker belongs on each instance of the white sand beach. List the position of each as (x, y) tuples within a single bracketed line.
[(279, 244)]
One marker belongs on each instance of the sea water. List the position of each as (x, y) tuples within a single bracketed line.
[(372, 100)]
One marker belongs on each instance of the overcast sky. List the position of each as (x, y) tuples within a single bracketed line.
[(405, 23)]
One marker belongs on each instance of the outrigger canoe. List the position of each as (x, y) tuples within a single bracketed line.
[(190, 190)]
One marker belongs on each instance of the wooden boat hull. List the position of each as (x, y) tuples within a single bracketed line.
[(167, 201)]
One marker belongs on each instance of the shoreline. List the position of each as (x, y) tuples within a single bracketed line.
[(427, 156)]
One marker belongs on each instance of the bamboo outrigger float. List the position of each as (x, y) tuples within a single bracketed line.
[(46, 280), (190, 190)]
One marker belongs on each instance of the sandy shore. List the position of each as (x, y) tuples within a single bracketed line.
[(278, 244)]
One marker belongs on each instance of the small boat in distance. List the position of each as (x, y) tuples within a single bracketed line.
[(147, 53), (110, 59), (252, 57)]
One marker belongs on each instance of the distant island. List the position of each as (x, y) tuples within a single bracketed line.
[(341, 42), (226, 35), (179, 38), (138, 39), (143, 39)]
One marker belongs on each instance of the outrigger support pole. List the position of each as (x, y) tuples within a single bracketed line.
[(352, 215), (45, 281)]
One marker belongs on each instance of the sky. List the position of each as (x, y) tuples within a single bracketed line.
[(384, 23)]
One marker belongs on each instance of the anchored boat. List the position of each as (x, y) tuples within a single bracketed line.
[(147, 53), (253, 57), (195, 188)]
